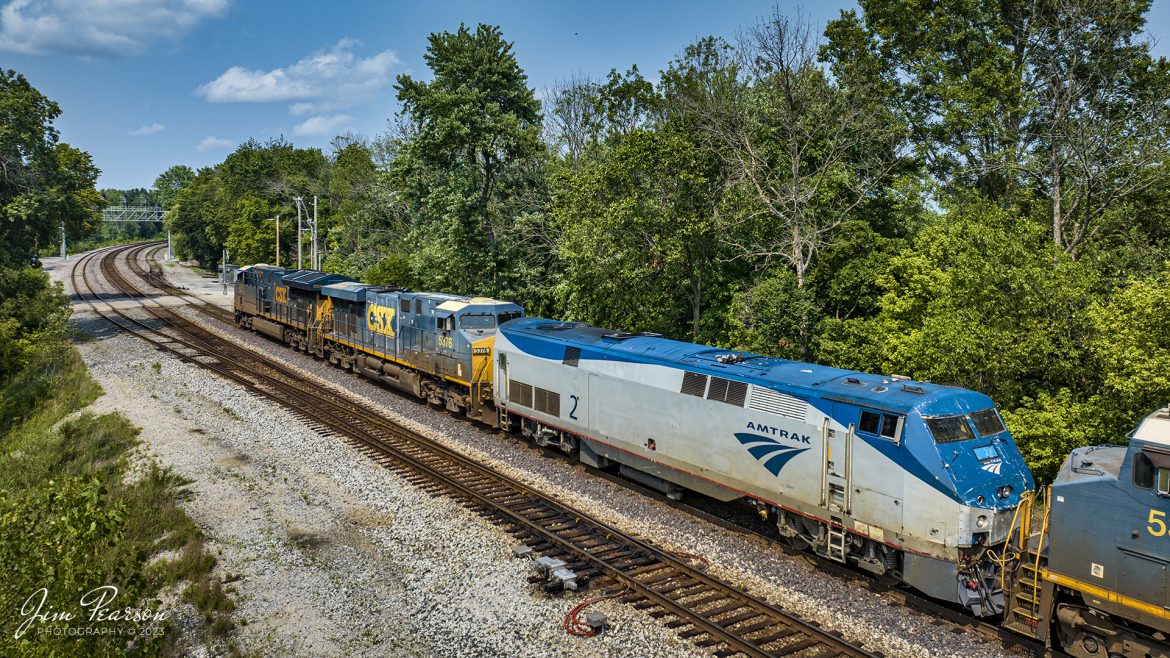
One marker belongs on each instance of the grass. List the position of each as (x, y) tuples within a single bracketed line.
[(76, 512)]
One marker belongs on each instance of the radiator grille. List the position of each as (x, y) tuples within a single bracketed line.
[(520, 393), (548, 402), (725, 390), (694, 384), (773, 402)]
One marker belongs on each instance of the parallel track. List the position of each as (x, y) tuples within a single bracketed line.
[(702, 608)]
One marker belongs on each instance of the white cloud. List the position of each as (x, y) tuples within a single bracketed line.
[(321, 125), (323, 81), (105, 28), (213, 143), (151, 129)]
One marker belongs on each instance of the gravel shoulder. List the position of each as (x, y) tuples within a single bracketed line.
[(338, 556)]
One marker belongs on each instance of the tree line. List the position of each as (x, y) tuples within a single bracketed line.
[(970, 193)]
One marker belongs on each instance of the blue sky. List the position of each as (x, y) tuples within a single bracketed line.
[(145, 84)]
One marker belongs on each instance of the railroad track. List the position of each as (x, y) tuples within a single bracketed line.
[(698, 606)]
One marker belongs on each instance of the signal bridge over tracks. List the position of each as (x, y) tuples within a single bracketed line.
[(118, 214), (126, 215)]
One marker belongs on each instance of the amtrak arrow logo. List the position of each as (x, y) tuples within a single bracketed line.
[(992, 467), (770, 452)]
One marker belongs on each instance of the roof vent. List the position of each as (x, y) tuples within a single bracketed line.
[(913, 389), (556, 326), (853, 381), (623, 335)]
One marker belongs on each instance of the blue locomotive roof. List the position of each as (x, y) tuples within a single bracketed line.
[(798, 378), (311, 279), (350, 290)]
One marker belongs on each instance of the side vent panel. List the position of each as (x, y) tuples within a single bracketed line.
[(774, 402), (520, 393), (572, 356), (736, 393), (725, 390), (694, 384), (548, 402), (718, 389)]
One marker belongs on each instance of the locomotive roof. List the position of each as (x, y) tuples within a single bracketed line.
[(1155, 428), (311, 279), (895, 394)]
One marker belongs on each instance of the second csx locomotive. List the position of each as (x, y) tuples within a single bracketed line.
[(913, 481)]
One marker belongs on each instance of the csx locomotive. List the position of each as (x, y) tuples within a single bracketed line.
[(1094, 580), (431, 345), (913, 481)]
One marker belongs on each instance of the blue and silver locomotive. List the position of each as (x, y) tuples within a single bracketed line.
[(913, 481)]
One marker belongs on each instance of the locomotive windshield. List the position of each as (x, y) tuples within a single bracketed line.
[(948, 429), (987, 422), (477, 321)]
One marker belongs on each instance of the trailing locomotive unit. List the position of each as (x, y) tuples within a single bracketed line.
[(431, 345), (913, 481), (1095, 581)]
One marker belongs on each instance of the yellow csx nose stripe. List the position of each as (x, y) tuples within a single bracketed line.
[(380, 319)]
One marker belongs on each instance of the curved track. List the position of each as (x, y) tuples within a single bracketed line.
[(700, 607)]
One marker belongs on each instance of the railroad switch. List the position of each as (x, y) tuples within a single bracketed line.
[(551, 572)]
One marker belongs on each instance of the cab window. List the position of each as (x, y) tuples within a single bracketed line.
[(477, 321), (1143, 471), (948, 429), (1164, 481), (987, 422), (512, 315), (883, 425)]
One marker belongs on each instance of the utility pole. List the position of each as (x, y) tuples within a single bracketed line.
[(316, 261), (299, 229), (170, 250), (64, 256), (223, 268), (278, 240)]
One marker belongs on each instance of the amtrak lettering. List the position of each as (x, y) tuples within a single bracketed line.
[(380, 319), (782, 433)]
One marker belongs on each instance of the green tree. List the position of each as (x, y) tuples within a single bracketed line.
[(466, 169), (1058, 101), (979, 299), (634, 234), (44, 184)]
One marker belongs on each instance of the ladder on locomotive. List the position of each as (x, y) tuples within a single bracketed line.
[(319, 324), (1025, 612)]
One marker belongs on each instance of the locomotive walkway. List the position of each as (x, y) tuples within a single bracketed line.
[(700, 607)]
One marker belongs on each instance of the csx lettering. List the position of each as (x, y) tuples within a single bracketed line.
[(782, 433), (380, 319)]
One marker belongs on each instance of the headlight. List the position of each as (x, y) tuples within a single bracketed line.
[(1004, 491), (981, 522)]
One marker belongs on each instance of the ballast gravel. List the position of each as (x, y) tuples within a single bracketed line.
[(340, 556)]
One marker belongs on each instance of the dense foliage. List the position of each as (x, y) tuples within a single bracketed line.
[(74, 515), (969, 192)]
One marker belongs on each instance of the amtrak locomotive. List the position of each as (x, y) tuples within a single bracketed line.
[(913, 481)]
